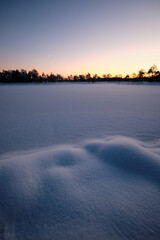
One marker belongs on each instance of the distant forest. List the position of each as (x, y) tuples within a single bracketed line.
[(22, 76)]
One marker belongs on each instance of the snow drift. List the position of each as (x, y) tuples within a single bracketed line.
[(100, 189)]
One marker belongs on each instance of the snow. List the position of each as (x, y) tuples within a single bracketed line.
[(79, 161)]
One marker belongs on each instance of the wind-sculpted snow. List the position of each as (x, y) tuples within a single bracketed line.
[(129, 156), (101, 189)]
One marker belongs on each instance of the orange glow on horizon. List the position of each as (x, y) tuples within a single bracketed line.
[(125, 60), (122, 61)]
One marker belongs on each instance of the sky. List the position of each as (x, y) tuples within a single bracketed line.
[(77, 37)]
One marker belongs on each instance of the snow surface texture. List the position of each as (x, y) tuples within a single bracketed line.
[(37, 116), (100, 189), (103, 188)]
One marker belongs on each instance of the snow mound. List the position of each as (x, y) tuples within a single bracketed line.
[(128, 155), (100, 189)]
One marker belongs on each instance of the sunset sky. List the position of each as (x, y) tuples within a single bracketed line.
[(77, 37)]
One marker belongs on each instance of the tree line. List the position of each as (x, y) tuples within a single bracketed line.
[(22, 76)]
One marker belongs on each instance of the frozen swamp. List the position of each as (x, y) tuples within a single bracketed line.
[(80, 161)]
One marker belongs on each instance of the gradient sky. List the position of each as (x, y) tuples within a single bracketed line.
[(77, 37)]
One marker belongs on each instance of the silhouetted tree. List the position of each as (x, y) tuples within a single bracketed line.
[(127, 76), (33, 74), (141, 73), (22, 76), (95, 76), (88, 76), (76, 78), (59, 77), (43, 75), (81, 78), (70, 77), (153, 70), (52, 78), (16, 76), (109, 75)]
